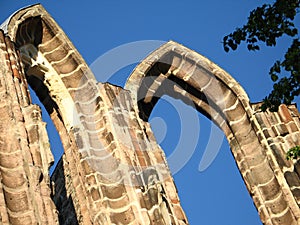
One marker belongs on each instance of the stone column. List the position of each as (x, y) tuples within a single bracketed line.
[(25, 155)]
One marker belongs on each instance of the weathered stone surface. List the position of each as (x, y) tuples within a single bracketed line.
[(258, 140), (113, 171), (25, 156)]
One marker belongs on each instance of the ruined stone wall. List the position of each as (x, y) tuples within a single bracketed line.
[(125, 172), (112, 170), (258, 140), (277, 133), (25, 155)]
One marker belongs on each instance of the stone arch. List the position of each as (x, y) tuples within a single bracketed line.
[(55, 70), (219, 97), (39, 38), (112, 170), (109, 117)]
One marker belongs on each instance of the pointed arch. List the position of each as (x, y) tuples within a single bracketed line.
[(64, 82), (112, 169), (55, 70), (218, 96)]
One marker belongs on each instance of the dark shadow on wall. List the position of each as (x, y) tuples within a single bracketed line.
[(62, 199)]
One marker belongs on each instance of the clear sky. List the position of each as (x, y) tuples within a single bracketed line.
[(216, 195)]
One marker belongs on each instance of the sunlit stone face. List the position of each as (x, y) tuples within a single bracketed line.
[(33, 60)]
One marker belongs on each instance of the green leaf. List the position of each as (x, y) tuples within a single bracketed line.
[(267, 24), (274, 77), (234, 46), (293, 153), (225, 39)]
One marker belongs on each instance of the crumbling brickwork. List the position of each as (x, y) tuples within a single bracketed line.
[(112, 170), (252, 135), (25, 155), (277, 133)]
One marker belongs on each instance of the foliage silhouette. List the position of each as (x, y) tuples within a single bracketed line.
[(266, 24)]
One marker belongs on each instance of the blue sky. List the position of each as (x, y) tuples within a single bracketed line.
[(216, 195)]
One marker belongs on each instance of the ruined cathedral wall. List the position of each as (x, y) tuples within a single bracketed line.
[(277, 133), (25, 155), (128, 180), (112, 170), (258, 140)]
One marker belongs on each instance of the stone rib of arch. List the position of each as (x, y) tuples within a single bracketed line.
[(24, 191), (126, 181), (217, 95), (39, 38)]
